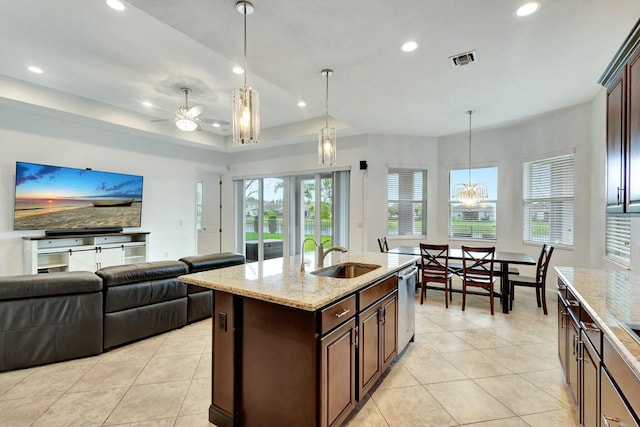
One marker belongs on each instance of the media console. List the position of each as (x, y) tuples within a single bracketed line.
[(83, 252)]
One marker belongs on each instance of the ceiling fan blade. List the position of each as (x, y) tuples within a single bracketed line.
[(159, 120), (212, 121), (194, 111)]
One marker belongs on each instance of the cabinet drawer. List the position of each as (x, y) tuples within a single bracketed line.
[(337, 313), (624, 377), (376, 291)]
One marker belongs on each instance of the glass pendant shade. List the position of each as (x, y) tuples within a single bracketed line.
[(469, 195), (246, 115), (186, 125), (327, 146)]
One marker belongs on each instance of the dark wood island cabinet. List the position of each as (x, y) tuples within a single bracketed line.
[(298, 349)]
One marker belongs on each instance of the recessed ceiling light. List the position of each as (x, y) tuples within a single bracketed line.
[(147, 104), (238, 70), (35, 69), (409, 46), (302, 104), (115, 5), (216, 125), (528, 8)]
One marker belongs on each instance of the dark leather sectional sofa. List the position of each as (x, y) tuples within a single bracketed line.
[(46, 318)]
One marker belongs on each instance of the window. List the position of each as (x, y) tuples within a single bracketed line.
[(479, 223), (618, 239), (547, 189), (199, 224), (407, 202)]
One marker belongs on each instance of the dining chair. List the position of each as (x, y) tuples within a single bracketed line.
[(435, 268), (477, 270), (382, 244), (538, 282)]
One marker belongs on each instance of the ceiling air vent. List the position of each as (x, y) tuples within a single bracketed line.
[(464, 58)]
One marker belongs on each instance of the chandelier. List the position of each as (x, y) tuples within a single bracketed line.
[(246, 105), (470, 194), (327, 135)]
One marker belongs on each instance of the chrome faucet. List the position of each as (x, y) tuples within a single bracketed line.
[(302, 251), (322, 253)]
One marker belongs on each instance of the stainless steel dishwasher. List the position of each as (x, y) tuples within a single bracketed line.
[(406, 306)]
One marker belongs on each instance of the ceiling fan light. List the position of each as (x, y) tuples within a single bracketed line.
[(186, 125)]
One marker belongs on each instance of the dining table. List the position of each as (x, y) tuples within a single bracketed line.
[(505, 259)]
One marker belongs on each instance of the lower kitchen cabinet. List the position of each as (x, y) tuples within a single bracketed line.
[(615, 412), (590, 402)]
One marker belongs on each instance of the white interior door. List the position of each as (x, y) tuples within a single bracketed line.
[(209, 225)]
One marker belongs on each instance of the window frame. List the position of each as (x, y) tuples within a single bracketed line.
[(558, 185), (453, 202), (423, 202)]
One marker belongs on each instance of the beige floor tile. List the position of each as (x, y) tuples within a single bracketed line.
[(198, 397), (398, 376), (23, 412), (518, 360), (177, 345), (563, 417), (432, 368), (110, 374), (164, 422), (165, 369), (505, 422), (87, 408), (467, 402), (368, 415), (150, 402), (443, 342), (144, 349), (480, 338), (47, 380), (196, 420), (475, 364), (519, 395), (551, 381), (9, 379), (204, 366), (411, 406)]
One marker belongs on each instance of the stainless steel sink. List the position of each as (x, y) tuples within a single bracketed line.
[(346, 270)]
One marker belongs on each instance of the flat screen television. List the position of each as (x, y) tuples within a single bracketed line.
[(55, 197)]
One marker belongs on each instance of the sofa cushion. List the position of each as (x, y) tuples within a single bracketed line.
[(145, 271), (205, 262), (133, 295), (48, 284)]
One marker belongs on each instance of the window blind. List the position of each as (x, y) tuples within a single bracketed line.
[(618, 239), (406, 208), (548, 193)]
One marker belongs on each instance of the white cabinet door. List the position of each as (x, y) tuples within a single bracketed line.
[(110, 256), (84, 260)]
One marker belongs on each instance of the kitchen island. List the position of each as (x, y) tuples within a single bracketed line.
[(300, 349)]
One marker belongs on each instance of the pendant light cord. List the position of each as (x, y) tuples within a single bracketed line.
[(326, 103), (244, 13), (470, 112)]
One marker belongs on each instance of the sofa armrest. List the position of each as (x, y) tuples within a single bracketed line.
[(142, 272), (206, 262)]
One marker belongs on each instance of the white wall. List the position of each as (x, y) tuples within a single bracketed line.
[(169, 171)]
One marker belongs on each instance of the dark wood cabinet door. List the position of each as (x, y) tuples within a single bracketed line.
[(563, 335), (370, 363), (614, 410), (615, 146), (590, 402), (633, 134), (389, 330), (573, 364), (338, 374)]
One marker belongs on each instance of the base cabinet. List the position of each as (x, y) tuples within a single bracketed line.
[(615, 412)]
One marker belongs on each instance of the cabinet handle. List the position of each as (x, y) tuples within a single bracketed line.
[(344, 311), (580, 350), (561, 287), (590, 327), (573, 303), (607, 419)]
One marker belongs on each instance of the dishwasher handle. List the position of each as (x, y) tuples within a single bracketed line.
[(407, 273)]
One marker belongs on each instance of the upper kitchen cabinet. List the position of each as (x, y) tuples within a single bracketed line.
[(622, 80)]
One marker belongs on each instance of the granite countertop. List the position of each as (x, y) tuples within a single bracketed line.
[(280, 281), (611, 298)]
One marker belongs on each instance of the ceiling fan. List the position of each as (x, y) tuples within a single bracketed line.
[(188, 119)]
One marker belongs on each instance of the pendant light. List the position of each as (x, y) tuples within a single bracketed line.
[(246, 105), (470, 194), (327, 135)]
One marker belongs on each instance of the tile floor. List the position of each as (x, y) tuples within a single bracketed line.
[(464, 368)]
